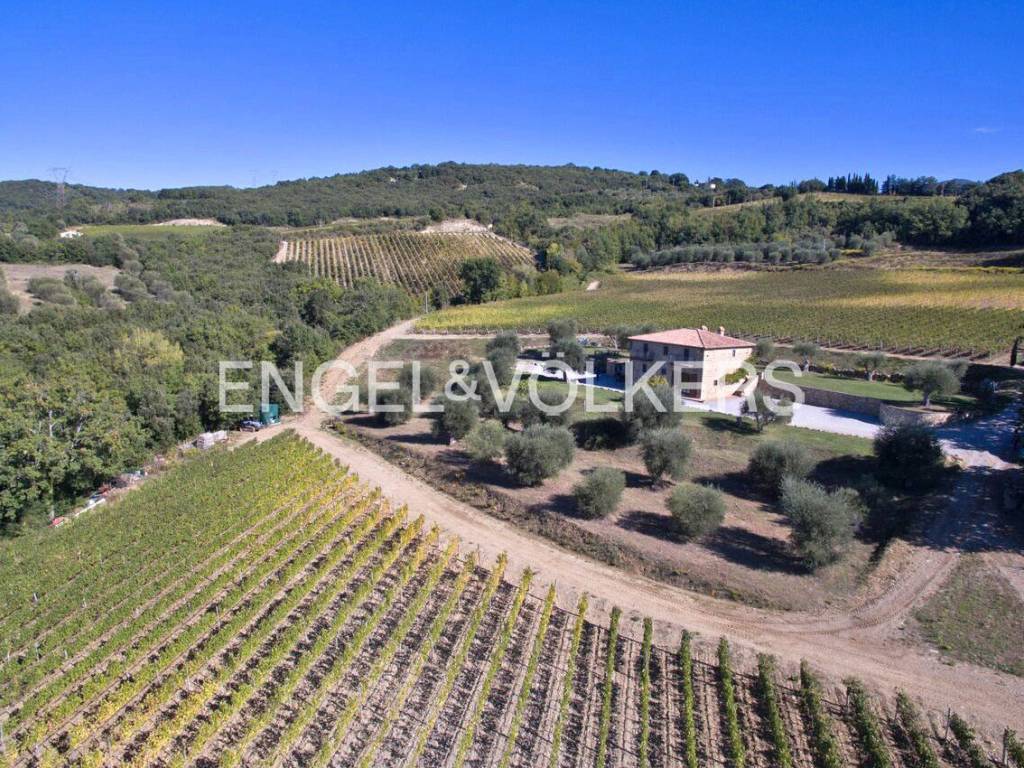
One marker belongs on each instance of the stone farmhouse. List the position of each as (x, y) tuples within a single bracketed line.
[(695, 358)]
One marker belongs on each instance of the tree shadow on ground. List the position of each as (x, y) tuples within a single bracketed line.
[(843, 470), (650, 524), (731, 425), (735, 484), (743, 547)]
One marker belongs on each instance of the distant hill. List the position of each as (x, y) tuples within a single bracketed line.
[(644, 211), (448, 189)]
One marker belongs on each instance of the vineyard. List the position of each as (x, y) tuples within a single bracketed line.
[(951, 312), (211, 618), (418, 261)]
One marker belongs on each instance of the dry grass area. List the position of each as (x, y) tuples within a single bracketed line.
[(588, 220), (18, 276), (977, 616), (907, 257)]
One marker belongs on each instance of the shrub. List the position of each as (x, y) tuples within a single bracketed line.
[(487, 441), (8, 302), (538, 453), (764, 349), (772, 462), (822, 522), (932, 379), (908, 457), (458, 418), (50, 290), (665, 452), (696, 510), (646, 416), (598, 494), (394, 397), (130, 287)]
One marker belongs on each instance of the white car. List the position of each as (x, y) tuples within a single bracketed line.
[(94, 501)]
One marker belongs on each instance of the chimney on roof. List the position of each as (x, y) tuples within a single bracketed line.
[(703, 327), (721, 330)]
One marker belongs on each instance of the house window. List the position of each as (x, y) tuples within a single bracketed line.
[(645, 347), (734, 353), (716, 382), (664, 350)]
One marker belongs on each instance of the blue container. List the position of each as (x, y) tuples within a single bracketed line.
[(270, 414)]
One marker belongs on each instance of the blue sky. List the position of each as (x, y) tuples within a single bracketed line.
[(152, 95)]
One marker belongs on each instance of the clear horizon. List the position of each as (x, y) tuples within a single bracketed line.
[(248, 95)]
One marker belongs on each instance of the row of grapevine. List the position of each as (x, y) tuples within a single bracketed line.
[(418, 261), (953, 314), (332, 630)]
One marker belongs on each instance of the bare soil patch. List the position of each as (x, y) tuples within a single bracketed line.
[(190, 223), (18, 276), (457, 225)]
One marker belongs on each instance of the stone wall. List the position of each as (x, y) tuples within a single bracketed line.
[(840, 401), (891, 414)]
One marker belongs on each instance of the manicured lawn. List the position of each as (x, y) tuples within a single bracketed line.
[(879, 390), (812, 439)]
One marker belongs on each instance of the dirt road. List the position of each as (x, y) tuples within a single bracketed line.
[(865, 642)]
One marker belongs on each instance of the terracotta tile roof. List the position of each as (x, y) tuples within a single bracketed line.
[(693, 337)]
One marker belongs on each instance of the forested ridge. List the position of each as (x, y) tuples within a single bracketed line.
[(663, 210)]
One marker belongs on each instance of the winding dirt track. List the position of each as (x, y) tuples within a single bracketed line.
[(864, 642)]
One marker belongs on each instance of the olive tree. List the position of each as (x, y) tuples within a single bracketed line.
[(696, 510), (457, 419), (823, 522), (487, 441), (807, 352), (870, 362), (932, 378), (539, 452), (599, 493), (665, 452), (772, 462), (764, 348), (908, 457), (393, 406), (648, 414)]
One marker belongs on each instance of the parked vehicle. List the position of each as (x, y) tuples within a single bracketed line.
[(94, 501), (57, 522), (251, 425)]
